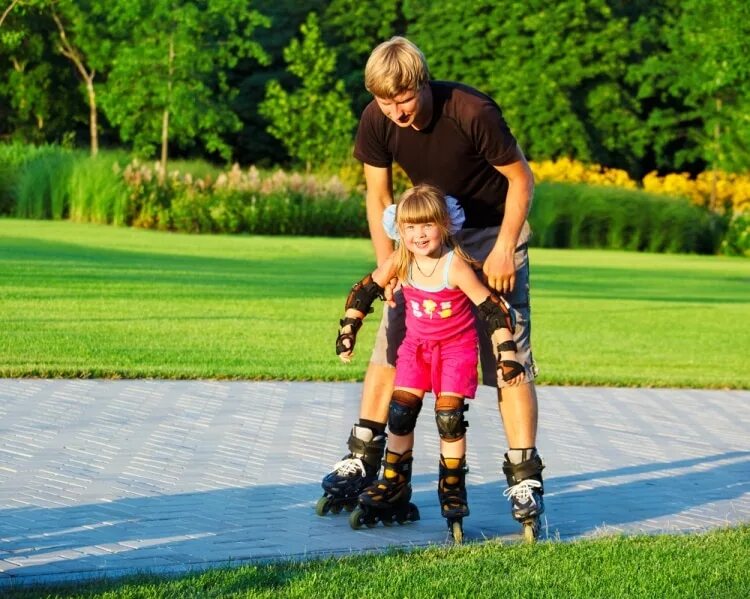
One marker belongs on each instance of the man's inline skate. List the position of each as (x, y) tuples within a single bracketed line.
[(452, 495), (354, 473), (523, 471), (388, 499)]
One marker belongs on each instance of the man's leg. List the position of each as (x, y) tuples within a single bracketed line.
[(518, 410), (360, 467), (376, 393), (518, 405)]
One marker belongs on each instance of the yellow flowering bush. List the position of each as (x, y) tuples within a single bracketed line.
[(716, 190), (566, 170)]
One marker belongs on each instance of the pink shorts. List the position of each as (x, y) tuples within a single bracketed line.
[(448, 366)]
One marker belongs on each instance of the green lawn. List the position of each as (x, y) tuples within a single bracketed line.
[(715, 564), (95, 301)]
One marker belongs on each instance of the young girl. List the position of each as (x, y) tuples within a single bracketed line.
[(439, 352)]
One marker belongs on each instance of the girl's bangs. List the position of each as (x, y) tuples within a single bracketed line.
[(415, 213)]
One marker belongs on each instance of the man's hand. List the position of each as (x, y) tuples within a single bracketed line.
[(500, 270)]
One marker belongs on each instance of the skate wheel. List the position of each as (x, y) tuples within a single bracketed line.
[(530, 531), (457, 531), (357, 518), (336, 509), (349, 506), (323, 506), (371, 522)]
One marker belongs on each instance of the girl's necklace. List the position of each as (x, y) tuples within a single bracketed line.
[(434, 268)]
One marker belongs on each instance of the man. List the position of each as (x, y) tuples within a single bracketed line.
[(451, 136)]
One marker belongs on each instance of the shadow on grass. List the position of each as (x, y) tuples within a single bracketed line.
[(307, 274)]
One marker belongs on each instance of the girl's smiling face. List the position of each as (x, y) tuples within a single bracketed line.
[(423, 239)]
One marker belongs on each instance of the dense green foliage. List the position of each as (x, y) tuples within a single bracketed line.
[(320, 132), (566, 215), (637, 85), (53, 182), (83, 300), (713, 564)]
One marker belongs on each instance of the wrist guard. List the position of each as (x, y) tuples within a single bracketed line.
[(497, 314), (341, 347), (363, 294), (509, 369)]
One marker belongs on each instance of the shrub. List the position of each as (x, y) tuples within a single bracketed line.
[(736, 242), (584, 216)]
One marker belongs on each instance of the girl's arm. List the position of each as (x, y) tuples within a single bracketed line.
[(358, 305), (492, 309), (461, 275)]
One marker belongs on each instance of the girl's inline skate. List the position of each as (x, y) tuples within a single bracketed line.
[(452, 495), (523, 471), (354, 473), (388, 499)]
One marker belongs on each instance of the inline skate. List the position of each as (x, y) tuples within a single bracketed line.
[(523, 471), (452, 495), (353, 474), (388, 499)]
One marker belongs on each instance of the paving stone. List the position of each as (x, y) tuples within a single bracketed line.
[(113, 477)]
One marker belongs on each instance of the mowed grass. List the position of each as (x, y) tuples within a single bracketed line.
[(714, 564), (95, 301)]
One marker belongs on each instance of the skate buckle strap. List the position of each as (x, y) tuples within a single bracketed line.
[(349, 467), (523, 492)]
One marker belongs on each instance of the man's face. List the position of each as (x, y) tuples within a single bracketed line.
[(404, 108)]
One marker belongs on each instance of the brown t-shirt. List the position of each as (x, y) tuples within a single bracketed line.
[(455, 152)]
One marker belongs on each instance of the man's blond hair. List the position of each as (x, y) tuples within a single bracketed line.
[(395, 67)]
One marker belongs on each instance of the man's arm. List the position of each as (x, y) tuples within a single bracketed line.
[(499, 266), (379, 183)]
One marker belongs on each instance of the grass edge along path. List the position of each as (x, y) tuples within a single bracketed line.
[(712, 564), (92, 301)]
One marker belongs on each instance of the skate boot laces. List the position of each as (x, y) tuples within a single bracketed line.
[(523, 492), (349, 467)]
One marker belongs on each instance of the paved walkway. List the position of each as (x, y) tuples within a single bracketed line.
[(109, 477)]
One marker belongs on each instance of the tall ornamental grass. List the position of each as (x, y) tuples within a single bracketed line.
[(42, 186), (566, 215), (95, 190)]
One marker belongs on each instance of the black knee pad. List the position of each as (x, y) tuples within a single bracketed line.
[(449, 415), (402, 412)]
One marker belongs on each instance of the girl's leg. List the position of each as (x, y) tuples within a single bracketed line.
[(402, 418), (449, 411)]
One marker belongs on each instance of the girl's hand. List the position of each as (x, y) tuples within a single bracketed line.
[(390, 289), (347, 338)]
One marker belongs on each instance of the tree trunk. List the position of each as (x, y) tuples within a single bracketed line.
[(7, 11), (71, 53), (165, 117), (717, 158), (93, 129)]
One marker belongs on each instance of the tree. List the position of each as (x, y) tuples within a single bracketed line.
[(35, 93), (556, 69), (354, 28), (253, 143), (80, 41), (315, 122), (704, 66), (177, 52)]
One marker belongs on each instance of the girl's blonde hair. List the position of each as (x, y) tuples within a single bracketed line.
[(418, 205), (395, 67)]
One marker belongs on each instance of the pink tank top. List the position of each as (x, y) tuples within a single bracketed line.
[(437, 314)]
